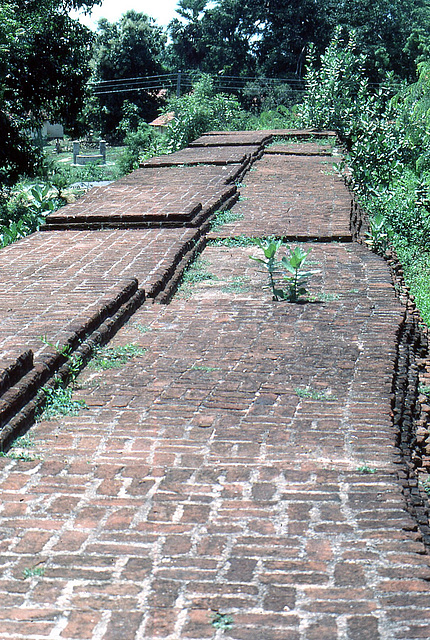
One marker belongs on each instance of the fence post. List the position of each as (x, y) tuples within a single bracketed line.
[(102, 150), (76, 149), (178, 85)]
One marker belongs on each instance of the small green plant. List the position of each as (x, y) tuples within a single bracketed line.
[(16, 451), (75, 362), (292, 264), (115, 357), (364, 468), (379, 235), (31, 572), (224, 217), (18, 455), (236, 241), (240, 284), (142, 328), (425, 485), (314, 394), (222, 621), (204, 368), (196, 272), (325, 297), (424, 389), (59, 402)]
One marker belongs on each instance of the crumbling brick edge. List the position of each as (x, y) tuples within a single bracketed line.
[(410, 408), (411, 416), (20, 403)]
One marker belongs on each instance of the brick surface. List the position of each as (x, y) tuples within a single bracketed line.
[(292, 196), (202, 494), (54, 280), (231, 154), (171, 194)]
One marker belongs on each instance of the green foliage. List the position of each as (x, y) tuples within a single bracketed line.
[(222, 621), (195, 273), (130, 48), (31, 572), (200, 111), (314, 394), (24, 211), (44, 67), (59, 402), (115, 357), (379, 235), (290, 266), (337, 89), (224, 217), (296, 278)]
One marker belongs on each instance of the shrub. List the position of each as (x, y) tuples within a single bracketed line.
[(200, 111)]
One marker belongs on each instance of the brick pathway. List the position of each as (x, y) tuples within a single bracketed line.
[(238, 479)]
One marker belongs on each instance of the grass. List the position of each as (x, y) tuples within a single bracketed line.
[(240, 284), (115, 357), (364, 468), (142, 328), (18, 455), (325, 297), (237, 241), (222, 621), (224, 217), (16, 451), (314, 394), (196, 272)]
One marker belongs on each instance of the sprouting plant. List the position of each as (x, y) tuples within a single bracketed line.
[(295, 278), (269, 248), (75, 362), (379, 235), (30, 572), (222, 621)]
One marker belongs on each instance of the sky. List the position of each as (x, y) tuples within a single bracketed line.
[(163, 11)]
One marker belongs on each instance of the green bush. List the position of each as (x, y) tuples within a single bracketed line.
[(337, 88), (200, 111)]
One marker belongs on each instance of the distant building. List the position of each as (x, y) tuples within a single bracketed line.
[(161, 122)]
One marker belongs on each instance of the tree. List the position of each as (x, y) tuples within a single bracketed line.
[(131, 48), (272, 37), (391, 33), (44, 69)]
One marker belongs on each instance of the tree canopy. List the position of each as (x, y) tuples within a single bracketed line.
[(130, 48), (44, 64), (271, 37)]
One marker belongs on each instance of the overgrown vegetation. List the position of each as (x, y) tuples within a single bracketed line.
[(387, 137)]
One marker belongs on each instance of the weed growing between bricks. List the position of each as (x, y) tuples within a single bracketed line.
[(195, 273), (115, 357)]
